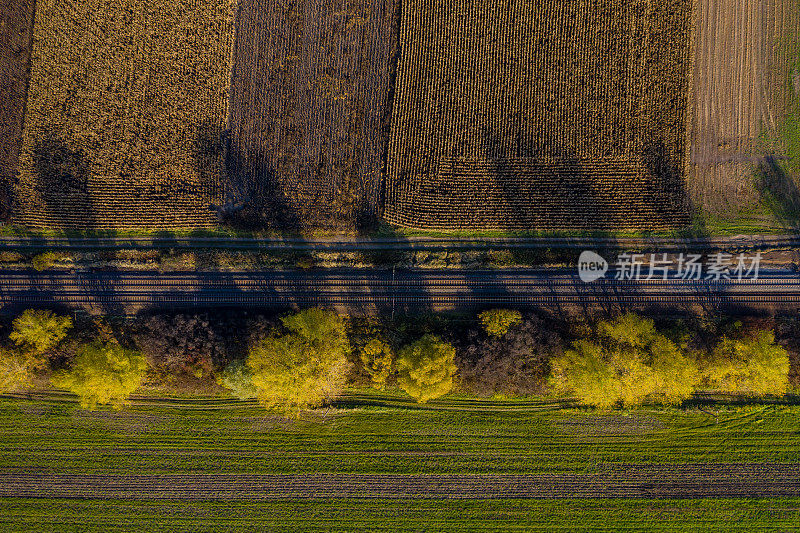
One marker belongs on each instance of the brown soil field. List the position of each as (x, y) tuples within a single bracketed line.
[(611, 481), (16, 24), (540, 115), (740, 96), (431, 114), (126, 109), (309, 112)]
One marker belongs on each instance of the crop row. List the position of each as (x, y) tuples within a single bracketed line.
[(16, 21), (535, 193), (503, 113), (539, 115), (126, 108), (310, 96), (670, 481)]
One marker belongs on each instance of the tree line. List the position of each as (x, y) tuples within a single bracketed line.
[(303, 360)]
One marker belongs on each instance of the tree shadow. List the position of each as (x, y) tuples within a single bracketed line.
[(208, 153), (666, 184), (306, 125), (702, 399), (779, 192), (16, 42), (254, 198), (62, 182)]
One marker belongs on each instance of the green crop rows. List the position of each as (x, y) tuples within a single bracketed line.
[(378, 435)]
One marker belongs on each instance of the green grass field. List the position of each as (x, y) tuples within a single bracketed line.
[(384, 434)]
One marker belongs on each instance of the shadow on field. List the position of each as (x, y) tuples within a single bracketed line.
[(16, 42), (63, 181), (713, 400), (254, 200), (779, 192), (602, 209), (398, 399), (208, 154)]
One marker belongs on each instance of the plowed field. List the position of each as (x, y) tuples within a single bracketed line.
[(741, 92)]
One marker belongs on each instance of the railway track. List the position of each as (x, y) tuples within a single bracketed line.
[(130, 292)]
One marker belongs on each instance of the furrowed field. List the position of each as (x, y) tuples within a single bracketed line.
[(309, 111), (429, 114), (16, 23), (745, 130), (536, 115), (126, 109), (414, 515), (379, 462)]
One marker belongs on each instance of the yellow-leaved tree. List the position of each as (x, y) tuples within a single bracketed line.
[(497, 322), (752, 365), (304, 367), (378, 358), (37, 331), (627, 363), (426, 368), (238, 379), (103, 373), (15, 372)]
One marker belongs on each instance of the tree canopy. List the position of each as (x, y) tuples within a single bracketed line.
[(750, 365), (180, 344), (516, 363), (39, 330), (378, 358), (627, 363), (304, 367), (426, 368), (15, 372), (238, 378), (103, 373)]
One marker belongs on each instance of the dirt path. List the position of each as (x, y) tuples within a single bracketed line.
[(345, 243), (612, 481)]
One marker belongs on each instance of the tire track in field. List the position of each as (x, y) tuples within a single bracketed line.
[(610, 481)]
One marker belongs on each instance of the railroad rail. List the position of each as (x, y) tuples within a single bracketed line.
[(130, 292)]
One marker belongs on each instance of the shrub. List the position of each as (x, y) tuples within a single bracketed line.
[(629, 362), (516, 363), (238, 378), (377, 357), (44, 261), (426, 368), (15, 372), (39, 330), (751, 365), (10, 257), (182, 261), (180, 344), (103, 373), (497, 322), (304, 367)]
